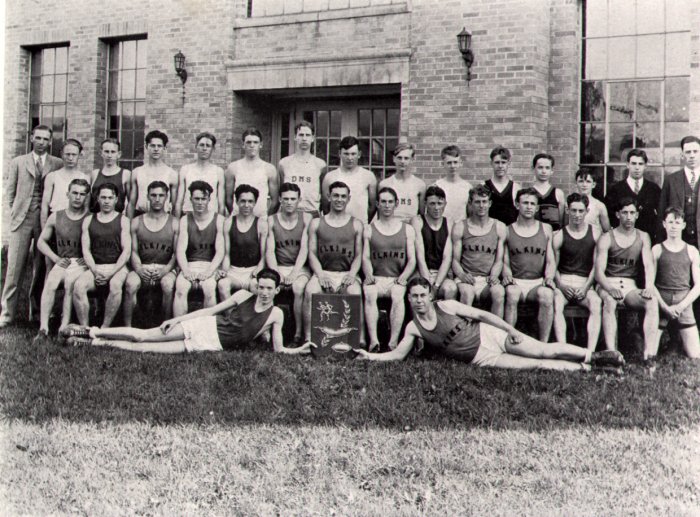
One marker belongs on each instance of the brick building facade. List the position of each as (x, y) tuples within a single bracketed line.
[(384, 69)]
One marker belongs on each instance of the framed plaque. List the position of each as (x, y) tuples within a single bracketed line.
[(336, 320)]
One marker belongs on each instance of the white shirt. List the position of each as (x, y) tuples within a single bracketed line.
[(689, 173), (38, 158), (631, 183)]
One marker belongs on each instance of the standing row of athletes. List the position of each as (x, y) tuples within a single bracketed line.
[(503, 253)]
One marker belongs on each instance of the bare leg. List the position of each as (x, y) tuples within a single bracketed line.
[(545, 313), (209, 290), (651, 321), (48, 296), (593, 303), (114, 299), (498, 298), (224, 285), (167, 285), (132, 286), (398, 311), (609, 320), (84, 284), (513, 293), (466, 293), (448, 290), (371, 314), (519, 362), (154, 334), (313, 287), (298, 288), (167, 347), (560, 303), (356, 289), (182, 289), (691, 342), (532, 348), (68, 286)]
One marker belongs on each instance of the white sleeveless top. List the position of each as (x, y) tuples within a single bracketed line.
[(407, 192), (61, 180), (307, 176), (456, 198), (258, 180), (358, 182), (209, 175)]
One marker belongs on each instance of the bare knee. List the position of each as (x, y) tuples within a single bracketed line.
[(545, 296), (167, 284), (133, 284)]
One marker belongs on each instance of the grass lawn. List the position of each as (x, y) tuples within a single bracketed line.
[(105, 432)]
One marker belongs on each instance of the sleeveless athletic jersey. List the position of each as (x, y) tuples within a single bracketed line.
[(336, 246), (624, 262), (105, 240), (456, 198), (59, 200), (155, 247), (453, 336), (357, 183), (245, 246), (502, 206), (208, 175), (595, 208), (479, 251), (201, 244), (673, 270), (548, 209), (259, 181), (117, 180), (407, 192), (434, 243), (238, 326), (287, 242), (576, 255), (146, 177), (68, 235), (306, 176), (388, 252), (527, 254)]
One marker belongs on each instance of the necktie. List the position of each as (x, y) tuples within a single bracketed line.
[(636, 186), (39, 168), (692, 181)]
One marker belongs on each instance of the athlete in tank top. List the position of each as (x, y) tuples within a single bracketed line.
[(287, 242), (209, 173), (411, 192), (434, 242), (576, 254), (68, 235), (548, 211), (201, 241), (363, 187), (479, 251), (502, 205), (155, 246), (116, 179), (528, 255), (244, 248), (304, 171)]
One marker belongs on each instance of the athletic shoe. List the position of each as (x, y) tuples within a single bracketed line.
[(79, 341), (607, 358), (73, 330)]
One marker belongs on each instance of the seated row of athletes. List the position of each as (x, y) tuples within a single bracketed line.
[(477, 258)]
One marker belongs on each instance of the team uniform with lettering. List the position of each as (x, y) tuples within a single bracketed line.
[(244, 251), (502, 205), (118, 181), (155, 248), (673, 282), (576, 258), (68, 241), (478, 255), (624, 264), (528, 256), (336, 249), (201, 244), (358, 183), (408, 192), (388, 257), (307, 176), (287, 246), (106, 244)]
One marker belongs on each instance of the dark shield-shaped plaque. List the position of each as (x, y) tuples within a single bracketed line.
[(336, 320)]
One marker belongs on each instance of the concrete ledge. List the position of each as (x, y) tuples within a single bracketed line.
[(333, 14), (128, 28)]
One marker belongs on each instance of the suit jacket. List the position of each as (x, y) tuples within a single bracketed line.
[(20, 184), (647, 199), (675, 192)]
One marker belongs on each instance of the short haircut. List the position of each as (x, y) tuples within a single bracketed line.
[(108, 186), (200, 185), (338, 184), (290, 187), (42, 127), (689, 140), (157, 134), (528, 191), (626, 201), (434, 190), (244, 188), (417, 280), (205, 134), (639, 153), (81, 182), (347, 142), (110, 140), (73, 142), (450, 150), (251, 131), (584, 172), (304, 123), (388, 190), (479, 190), (539, 156), (270, 274), (158, 184), (404, 147), (500, 151), (577, 198), (675, 211)]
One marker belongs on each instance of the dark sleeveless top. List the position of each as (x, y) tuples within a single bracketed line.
[(101, 179), (155, 247), (673, 270), (238, 326), (576, 255), (105, 240), (201, 244), (287, 242), (502, 206), (244, 248), (68, 235), (388, 252), (548, 209), (624, 262), (453, 336), (479, 251), (336, 246), (527, 254), (434, 243)]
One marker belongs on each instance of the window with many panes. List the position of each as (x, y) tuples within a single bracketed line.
[(126, 98), (48, 93), (636, 86)]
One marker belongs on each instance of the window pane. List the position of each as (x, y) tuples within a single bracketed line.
[(35, 89), (650, 16), (322, 149), (390, 145), (381, 174), (678, 53), (113, 89), (336, 123), (322, 123), (650, 58), (113, 115), (49, 60), (649, 138), (127, 141), (596, 18), (392, 121), (46, 114), (128, 80), (622, 15), (114, 56), (654, 174), (141, 84), (621, 141), (596, 59), (128, 54), (621, 102), (593, 143), (334, 151), (37, 63), (673, 133), (47, 88), (365, 154), (593, 100), (621, 58), (378, 122), (677, 15), (127, 116), (648, 105), (141, 46), (363, 123), (61, 90), (139, 115), (62, 60), (676, 98)]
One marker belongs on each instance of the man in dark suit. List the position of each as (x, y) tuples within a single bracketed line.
[(681, 190), (645, 192), (24, 187)]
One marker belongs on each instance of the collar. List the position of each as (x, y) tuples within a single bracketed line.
[(631, 182), (36, 157), (689, 173)]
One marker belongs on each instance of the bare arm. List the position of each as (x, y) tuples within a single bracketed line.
[(270, 255), (417, 224), (649, 269), (357, 261), (273, 187), (43, 242), (126, 183), (457, 232), (277, 322), (173, 188), (397, 354), (136, 264), (46, 198), (220, 191), (314, 263), (550, 266), (507, 273), (181, 248), (133, 194), (372, 193), (226, 263), (410, 256), (177, 207), (126, 245), (85, 243), (262, 239), (497, 267), (601, 261), (367, 268), (230, 186), (219, 246), (304, 246), (446, 258)]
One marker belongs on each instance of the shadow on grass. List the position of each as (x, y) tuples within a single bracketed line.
[(40, 383)]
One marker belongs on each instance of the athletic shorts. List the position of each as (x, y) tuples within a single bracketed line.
[(199, 267), (200, 334), (574, 281), (626, 285), (383, 284), (73, 269), (526, 285), (172, 274), (241, 275), (287, 270), (492, 345), (480, 284), (687, 317), (337, 279), (119, 276)]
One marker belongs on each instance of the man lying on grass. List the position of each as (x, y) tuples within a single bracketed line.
[(233, 323), (478, 337)]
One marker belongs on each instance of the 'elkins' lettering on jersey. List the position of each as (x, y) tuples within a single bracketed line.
[(205, 246), (98, 244), (480, 248), (288, 243), (158, 246), (455, 331), (335, 248), (621, 261), (528, 250), (68, 243), (389, 254)]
